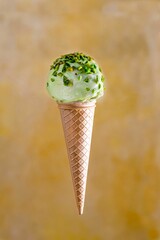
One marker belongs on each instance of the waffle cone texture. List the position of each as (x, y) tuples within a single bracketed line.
[(77, 119)]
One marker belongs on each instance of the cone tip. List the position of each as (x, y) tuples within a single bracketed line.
[(80, 210)]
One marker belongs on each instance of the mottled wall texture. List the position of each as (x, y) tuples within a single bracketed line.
[(123, 192)]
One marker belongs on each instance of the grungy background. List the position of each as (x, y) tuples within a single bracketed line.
[(123, 191)]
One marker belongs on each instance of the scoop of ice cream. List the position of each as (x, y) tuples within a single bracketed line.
[(75, 77)]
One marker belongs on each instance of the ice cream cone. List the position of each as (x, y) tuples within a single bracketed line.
[(77, 119)]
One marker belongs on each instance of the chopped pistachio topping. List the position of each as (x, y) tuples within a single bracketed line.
[(79, 68), (80, 77), (64, 69), (99, 86), (67, 82), (70, 69), (47, 84), (52, 79), (86, 80), (87, 89), (84, 61), (60, 74), (96, 79), (51, 67), (54, 73)]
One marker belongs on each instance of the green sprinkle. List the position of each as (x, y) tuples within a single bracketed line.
[(47, 84), (70, 83), (99, 86), (79, 68), (87, 89), (74, 68), (70, 69), (102, 79), (81, 57), (61, 62), (57, 66), (86, 69), (52, 79), (93, 68), (64, 69), (54, 73), (79, 77), (86, 80), (67, 65), (96, 80), (92, 65), (93, 90), (60, 74), (51, 67), (67, 82)]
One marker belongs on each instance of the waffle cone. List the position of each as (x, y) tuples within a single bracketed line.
[(77, 119)]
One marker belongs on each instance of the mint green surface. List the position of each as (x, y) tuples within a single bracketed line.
[(75, 77)]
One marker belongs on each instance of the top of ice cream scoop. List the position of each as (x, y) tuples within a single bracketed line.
[(75, 77)]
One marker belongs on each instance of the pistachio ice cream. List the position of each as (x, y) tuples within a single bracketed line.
[(75, 77)]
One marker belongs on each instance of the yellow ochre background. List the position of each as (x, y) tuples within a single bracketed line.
[(123, 191)]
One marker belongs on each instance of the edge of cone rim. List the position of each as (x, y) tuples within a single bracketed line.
[(77, 104)]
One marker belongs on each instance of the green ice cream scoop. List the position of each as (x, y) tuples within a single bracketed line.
[(75, 77)]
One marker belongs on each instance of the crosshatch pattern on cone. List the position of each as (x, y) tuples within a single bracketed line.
[(77, 124)]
